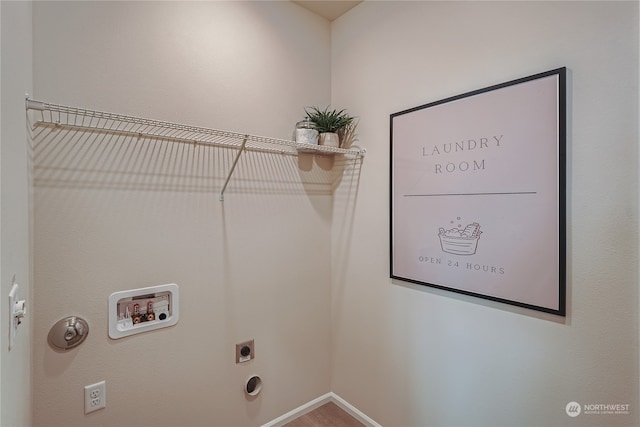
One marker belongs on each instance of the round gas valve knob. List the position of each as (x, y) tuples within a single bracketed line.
[(68, 332)]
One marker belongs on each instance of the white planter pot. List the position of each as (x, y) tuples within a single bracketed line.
[(330, 139)]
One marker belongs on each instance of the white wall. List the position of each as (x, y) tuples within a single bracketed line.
[(16, 80), (412, 356), (256, 266)]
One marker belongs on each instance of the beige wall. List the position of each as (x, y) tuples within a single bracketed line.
[(256, 266), (16, 77), (412, 356)]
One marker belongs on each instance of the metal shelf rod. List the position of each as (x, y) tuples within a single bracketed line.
[(233, 166)]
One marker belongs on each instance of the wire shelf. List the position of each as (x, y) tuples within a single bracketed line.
[(61, 116)]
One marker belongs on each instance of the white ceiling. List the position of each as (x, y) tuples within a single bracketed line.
[(330, 9)]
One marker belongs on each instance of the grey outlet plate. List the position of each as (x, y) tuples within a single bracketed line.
[(240, 357)]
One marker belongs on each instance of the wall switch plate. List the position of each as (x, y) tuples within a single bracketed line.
[(95, 397), (245, 351), (17, 311)]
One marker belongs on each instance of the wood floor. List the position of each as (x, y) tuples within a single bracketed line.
[(327, 415)]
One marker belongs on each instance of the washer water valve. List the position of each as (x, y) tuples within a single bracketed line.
[(143, 309)]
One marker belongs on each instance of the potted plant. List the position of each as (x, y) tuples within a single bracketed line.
[(330, 123)]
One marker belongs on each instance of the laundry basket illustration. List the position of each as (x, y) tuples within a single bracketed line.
[(460, 242)]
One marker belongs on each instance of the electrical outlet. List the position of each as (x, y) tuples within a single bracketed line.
[(95, 397), (245, 351)]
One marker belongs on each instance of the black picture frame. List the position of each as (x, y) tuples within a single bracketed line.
[(477, 193)]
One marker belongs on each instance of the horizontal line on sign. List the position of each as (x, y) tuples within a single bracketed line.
[(471, 194)]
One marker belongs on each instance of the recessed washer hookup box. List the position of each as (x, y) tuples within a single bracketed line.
[(144, 309)]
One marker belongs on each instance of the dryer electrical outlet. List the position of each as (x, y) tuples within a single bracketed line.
[(245, 351)]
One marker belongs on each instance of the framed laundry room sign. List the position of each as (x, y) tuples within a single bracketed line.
[(477, 193)]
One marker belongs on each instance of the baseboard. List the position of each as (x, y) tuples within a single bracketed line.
[(299, 411), (316, 403), (353, 411)]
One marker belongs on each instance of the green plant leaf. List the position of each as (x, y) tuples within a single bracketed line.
[(328, 120)]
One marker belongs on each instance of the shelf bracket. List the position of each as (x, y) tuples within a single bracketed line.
[(235, 162)]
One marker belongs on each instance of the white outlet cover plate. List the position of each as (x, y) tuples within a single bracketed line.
[(95, 397)]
